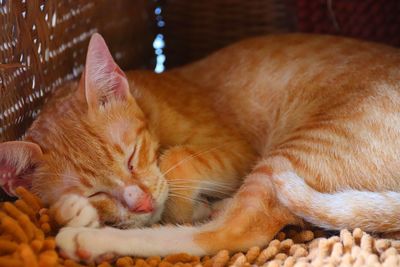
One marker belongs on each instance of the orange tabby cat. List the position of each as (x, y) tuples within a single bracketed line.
[(307, 126)]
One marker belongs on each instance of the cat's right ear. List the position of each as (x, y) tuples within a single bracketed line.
[(104, 81), (18, 160)]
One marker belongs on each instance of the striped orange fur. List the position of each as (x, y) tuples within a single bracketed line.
[(288, 128)]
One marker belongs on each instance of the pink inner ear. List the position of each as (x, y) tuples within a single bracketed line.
[(7, 175), (17, 164), (9, 180), (104, 80)]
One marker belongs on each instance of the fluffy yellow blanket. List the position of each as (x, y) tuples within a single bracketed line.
[(27, 239)]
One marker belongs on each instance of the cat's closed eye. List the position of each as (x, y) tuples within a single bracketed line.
[(98, 193), (130, 163)]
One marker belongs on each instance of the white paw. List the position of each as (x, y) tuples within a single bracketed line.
[(86, 244), (219, 207), (201, 211), (75, 211)]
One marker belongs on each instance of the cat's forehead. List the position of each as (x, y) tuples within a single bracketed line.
[(124, 132)]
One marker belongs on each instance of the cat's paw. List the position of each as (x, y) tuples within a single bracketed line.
[(75, 211), (206, 211), (86, 244), (218, 207), (201, 211)]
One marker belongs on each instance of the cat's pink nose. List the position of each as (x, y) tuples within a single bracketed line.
[(137, 200), (145, 204)]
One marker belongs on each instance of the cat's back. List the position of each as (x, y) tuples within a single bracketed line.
[(278, 58), (259, 83), (329, 104)]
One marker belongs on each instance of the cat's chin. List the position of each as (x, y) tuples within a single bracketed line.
[(156, 216), (135, 220), (128, 224)]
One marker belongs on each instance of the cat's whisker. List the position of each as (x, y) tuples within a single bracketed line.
[(194, 180), (193, 157), (56, 174), (204, 190), (169, 211), (177, 195), (183, 189), (210, 184), (120, 225), (222, 188), (215, 195)]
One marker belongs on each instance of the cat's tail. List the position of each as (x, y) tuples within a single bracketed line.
[(371, 211)]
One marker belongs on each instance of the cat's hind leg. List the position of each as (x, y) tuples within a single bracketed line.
[(348, 208)]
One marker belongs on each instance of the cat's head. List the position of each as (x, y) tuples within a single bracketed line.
[(94, 142)]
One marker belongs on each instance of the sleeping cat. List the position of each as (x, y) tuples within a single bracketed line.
[(285, 128)]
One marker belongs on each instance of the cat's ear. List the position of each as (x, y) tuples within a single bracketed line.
[(18, 161), (104, 81)]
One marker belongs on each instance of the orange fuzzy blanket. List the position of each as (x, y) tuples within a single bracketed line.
[(27, 239)]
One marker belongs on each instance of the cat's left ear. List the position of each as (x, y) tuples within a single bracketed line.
[(18, 161), (104, 81)]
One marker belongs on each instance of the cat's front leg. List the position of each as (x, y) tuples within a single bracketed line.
[(251, 218), (218, 207), (88, 244), (75, 211), (98, 244), (196, 172)]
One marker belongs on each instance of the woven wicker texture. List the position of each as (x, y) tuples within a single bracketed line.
[(193, 29), (43, 44), (374, 20)]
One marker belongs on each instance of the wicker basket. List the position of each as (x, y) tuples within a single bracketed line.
[(43, 44), (196, 28)]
